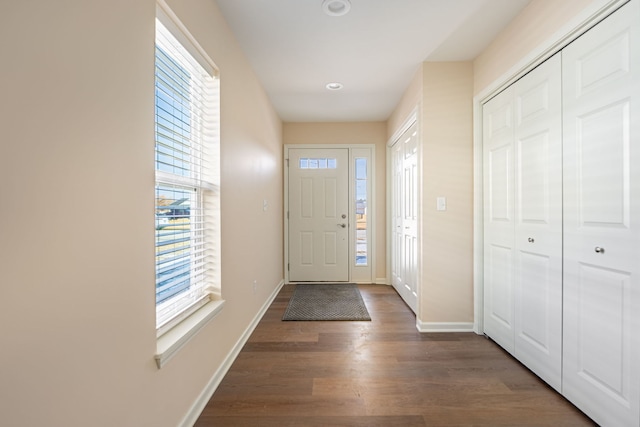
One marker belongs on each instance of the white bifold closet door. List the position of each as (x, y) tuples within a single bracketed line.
[(601, 94), (498, 135), (523, 220)]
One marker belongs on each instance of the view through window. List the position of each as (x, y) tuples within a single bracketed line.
[(361, 211), (187, 176)]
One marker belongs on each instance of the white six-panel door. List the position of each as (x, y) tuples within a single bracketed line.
[(601, 91), (499, 227), (523, 220), (396, 216), (538, 221), (318, 214), (404, 214)]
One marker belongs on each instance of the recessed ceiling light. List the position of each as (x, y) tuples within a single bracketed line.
[(334, 86), (336, 7)]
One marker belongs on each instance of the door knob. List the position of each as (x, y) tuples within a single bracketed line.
[(599, 250), (342, 225), (530, 239)]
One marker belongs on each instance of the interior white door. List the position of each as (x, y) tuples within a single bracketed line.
[(396, 216), (404, 213), (538, 221), (409, 283), (601, 85), (318, 214), (523, 220), (499, 238)]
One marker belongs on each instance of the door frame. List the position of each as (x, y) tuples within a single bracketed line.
[(585, 20), (357, 274)]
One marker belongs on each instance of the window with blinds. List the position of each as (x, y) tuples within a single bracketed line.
[(187, 178)]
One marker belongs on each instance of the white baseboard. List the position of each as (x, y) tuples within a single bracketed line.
[(444, 326), (381, 281), (198, 406)]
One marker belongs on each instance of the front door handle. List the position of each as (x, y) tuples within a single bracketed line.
[(342, 225)]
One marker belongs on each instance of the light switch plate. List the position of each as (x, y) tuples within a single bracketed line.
[(441, 203)]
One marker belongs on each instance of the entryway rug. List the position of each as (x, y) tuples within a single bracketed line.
[(327, 301)]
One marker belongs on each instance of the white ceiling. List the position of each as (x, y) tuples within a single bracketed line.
[(374, 50)]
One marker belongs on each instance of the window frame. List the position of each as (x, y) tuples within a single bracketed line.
[(175, 330)]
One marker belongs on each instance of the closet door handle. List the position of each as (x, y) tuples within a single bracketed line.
[(599, 250), (530, 239)]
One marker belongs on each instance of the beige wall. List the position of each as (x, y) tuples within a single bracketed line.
[(535, 25), (77, 317), (442, 93), (353, 133), (447, 170)]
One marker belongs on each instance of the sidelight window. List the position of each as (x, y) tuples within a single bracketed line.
[(361, 211)]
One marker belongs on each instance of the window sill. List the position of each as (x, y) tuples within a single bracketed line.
[(176, 338)]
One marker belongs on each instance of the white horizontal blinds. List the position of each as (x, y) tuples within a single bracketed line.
[(186, 100), (187, 180)]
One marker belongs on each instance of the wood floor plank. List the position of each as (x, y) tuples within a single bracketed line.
[(323, 421), (378, 373)]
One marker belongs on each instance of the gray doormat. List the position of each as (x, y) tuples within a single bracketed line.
[(335, 301)]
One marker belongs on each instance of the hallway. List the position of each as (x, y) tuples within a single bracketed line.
[(378, 373)]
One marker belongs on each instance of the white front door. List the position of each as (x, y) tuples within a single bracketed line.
[(318, 214), (601, 84), (404, 217)]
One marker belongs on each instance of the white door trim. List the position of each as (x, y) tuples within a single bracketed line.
[(353, 148), (585, 20)]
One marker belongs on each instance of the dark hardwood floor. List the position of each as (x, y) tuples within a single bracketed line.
[(378, 373)]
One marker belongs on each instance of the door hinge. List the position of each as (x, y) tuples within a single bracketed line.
[(287, 162), (287, 214), (288, 265)]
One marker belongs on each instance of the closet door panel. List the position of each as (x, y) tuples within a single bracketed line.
[(533, 179), (603, 166), (538, 221), (533, 326), (603, 311), (498, 129), (601, 95), (500, 295)]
